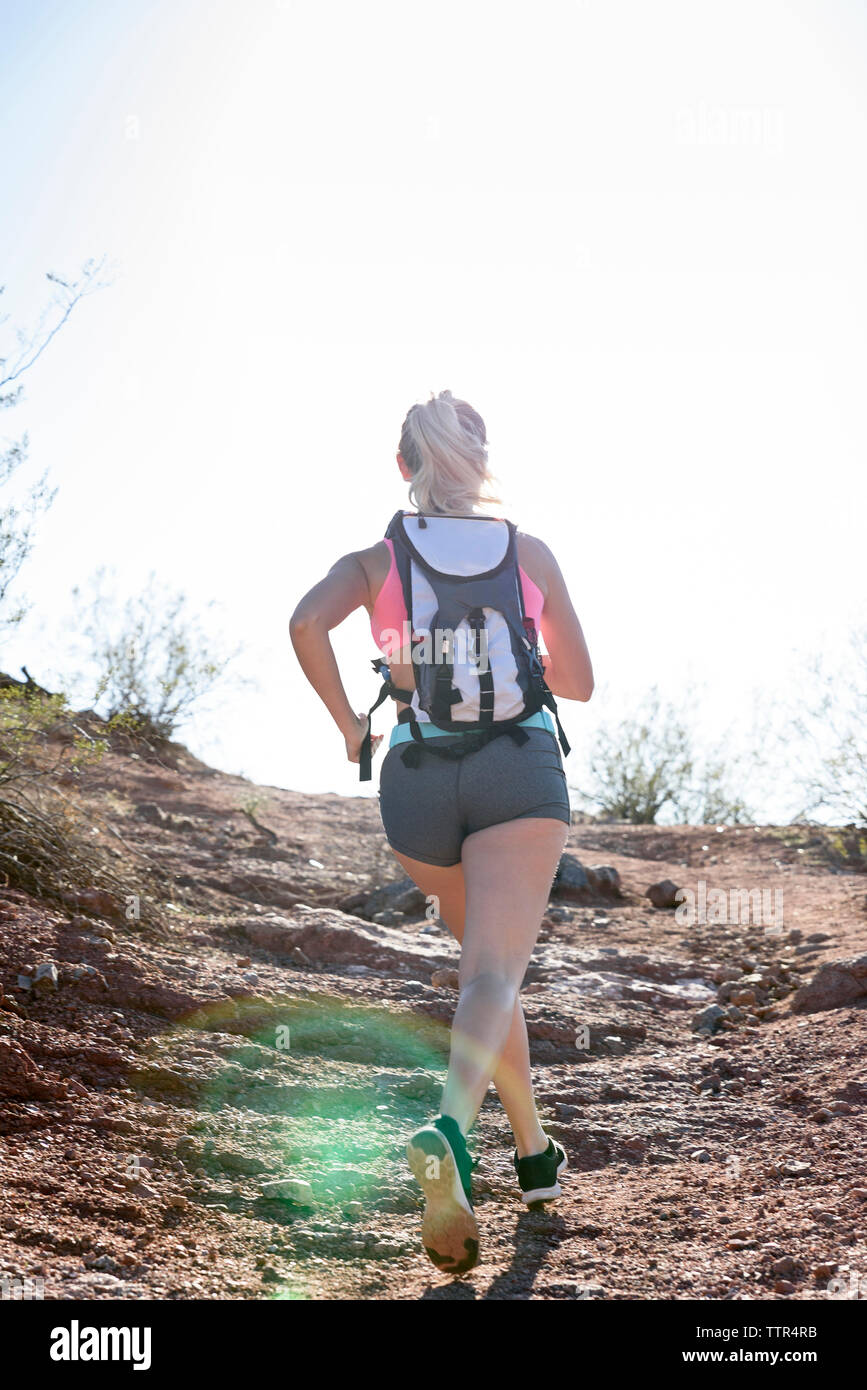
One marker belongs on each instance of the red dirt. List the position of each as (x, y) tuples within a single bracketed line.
[(144, 1103)]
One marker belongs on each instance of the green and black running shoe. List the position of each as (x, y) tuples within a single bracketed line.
[(442, 1166), (538, 1174)]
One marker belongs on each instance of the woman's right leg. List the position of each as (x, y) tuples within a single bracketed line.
[(508, 869), (512, 1078)]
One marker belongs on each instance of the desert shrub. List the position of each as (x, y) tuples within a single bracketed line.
[(831, 729), (50, 844), (154, 662), (648, 763)]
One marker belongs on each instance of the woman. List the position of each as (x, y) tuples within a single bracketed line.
[(481, 830)]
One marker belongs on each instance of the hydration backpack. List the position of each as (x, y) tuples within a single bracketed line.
[(474, 652)]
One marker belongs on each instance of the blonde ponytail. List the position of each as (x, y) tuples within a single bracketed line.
[(444, 443)]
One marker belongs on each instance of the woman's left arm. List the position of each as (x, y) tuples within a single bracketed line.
[(323, 607)]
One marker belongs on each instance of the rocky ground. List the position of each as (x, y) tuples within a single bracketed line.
[(218, 1110)]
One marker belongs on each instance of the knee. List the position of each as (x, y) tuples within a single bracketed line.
[(497, 985)]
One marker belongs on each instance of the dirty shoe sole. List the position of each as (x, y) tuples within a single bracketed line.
[(449, 1232), (546, 1194)]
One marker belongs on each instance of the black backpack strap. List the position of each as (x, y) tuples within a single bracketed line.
[(470, 742), (477, 625), (548, 699), (388, 687)]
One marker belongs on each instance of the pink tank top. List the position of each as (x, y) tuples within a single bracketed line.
[(389, 610)]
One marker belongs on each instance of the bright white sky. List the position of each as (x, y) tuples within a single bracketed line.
[(632, 235)]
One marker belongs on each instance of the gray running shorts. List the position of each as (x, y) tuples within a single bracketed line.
[(429, 810)]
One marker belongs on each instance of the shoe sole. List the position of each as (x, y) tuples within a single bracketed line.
[(546, 1194), (448, 1230)]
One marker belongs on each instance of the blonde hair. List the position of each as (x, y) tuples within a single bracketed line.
[(444, 444)]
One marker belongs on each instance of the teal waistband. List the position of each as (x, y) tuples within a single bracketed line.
[(401, 732)]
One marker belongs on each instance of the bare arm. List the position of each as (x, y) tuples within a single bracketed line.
[(344, 588), (568, 670)]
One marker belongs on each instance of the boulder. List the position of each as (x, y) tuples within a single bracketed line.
[(571, 880), (835, 984), (402, 896)]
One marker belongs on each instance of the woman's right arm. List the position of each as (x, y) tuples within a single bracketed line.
[(568, 670)]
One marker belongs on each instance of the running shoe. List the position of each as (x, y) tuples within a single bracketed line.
[(443, 1168), (538, 1174)]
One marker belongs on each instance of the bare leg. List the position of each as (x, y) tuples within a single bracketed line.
[(508, 870), (512, 1076)]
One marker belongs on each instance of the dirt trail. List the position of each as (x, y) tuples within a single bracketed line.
[(148, 1099)]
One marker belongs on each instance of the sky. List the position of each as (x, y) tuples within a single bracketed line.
[(632, 235)]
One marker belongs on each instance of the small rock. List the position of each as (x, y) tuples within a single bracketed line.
[(700, 1156), (784, 1266), (784, 1286), (722, 974), (152, 813), (708, 1019), (663, 894), (794, 1168), (420, 1086), (46, 978), (821, 1116), (604, 879), (290, 1189), (445, 978)]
